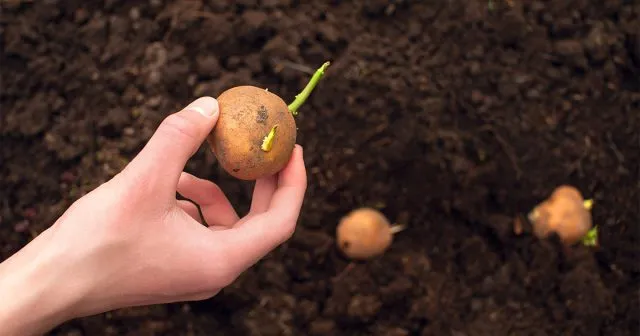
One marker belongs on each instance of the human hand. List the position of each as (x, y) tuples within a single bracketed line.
[(130, 242)]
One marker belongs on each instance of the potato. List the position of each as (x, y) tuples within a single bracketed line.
[(365, 233), (247, 115), (256, 131), (564, 214)]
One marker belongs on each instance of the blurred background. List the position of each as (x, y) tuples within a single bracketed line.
[(455, 117)]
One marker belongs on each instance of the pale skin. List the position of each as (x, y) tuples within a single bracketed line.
[(130, 242)]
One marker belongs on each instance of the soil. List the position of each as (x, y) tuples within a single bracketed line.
[(454, 117)]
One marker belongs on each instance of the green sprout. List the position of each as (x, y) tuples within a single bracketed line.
[(302, 96), (591, 238), (267, 143)]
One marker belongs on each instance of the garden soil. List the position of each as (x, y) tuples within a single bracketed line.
[(452, 117)]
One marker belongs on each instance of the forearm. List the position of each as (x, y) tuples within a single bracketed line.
[(34, 298)]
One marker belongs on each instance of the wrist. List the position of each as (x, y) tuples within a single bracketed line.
[(36, 290)]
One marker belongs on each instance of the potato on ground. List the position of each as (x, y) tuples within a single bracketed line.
[(564, 214)]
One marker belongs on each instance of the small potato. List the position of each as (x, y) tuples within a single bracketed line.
[(365, 233), (562, 213), (247, 115)]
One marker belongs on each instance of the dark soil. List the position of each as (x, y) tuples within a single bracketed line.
[(453, 116)]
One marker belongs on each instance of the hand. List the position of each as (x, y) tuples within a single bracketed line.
[(130, 242)]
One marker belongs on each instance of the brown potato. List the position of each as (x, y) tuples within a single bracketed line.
[(247, 115), (562, 213), (364, 233)]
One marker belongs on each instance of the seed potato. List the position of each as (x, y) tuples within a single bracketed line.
[(248, 114)]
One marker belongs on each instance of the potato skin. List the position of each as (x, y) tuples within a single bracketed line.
[(563, 213), (247, 114), (363, 234)]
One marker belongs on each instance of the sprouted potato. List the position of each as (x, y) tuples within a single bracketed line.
[(365, 233), (563, 213), (256, 130)]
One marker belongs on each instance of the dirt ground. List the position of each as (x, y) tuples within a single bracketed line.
[(452, 116)]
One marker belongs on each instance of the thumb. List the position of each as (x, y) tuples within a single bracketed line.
[(178, 137)]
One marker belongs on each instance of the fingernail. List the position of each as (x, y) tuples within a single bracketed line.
[(207, 106)]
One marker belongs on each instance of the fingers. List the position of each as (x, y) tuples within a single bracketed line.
[(190, 209), (178, 137), (216, 208), (292, 184), (262, 193), (244, 245)]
